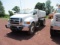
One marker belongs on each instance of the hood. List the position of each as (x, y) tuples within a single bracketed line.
[(28, 19), (21, 15)]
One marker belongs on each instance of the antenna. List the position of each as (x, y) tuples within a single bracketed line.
[(20, 5)]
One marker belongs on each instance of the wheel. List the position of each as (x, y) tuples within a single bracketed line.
[(42, 22), (13, 30), (31, 29), (52, 33)]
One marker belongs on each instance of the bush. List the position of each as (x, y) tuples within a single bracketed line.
[(10, 13), (5, 16)]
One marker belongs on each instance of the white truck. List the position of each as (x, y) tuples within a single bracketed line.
[(55, 25), (27, 22)]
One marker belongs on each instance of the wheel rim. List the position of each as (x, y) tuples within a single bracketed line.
[(32, 28), (44, 22)]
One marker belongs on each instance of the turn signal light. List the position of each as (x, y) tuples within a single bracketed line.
[(27, 22)]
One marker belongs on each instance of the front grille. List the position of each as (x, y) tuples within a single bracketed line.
[(14, 20), (58, 18)]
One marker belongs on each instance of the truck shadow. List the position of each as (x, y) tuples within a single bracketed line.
[(39, 28), (21, 35), (56, 39)]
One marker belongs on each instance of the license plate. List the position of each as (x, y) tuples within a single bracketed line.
[(18, 26)]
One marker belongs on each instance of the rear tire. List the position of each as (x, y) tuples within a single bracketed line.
[(42, 23), (31, 29)]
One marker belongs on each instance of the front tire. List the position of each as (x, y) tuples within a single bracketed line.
[(13, 30), (31, 29), (52, 33)]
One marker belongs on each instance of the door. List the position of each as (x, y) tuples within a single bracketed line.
[(35, 15)]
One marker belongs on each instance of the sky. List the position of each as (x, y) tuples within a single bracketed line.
[(25, 4)]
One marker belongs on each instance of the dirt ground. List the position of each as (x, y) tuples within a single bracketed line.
[(41, 36)]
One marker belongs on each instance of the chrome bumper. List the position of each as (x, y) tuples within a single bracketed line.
[(55, 27), (21, 27)]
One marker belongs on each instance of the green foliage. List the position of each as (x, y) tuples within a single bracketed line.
[(40, 6), (16, 9), (48, 6), (10, 13), (2, 11), (52, 9), (5, 16), (46, 17)]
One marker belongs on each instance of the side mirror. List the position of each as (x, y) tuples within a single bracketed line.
[(34, 13)]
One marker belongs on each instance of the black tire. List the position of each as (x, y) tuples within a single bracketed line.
[(13, 30), (42, 22), (52, 33), (31, 29)]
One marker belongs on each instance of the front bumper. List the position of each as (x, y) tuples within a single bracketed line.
[(55, 28), (18, 27)]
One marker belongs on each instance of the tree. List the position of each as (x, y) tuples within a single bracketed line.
[(2, 11), (10, 13), (40, 6), (52, 8), (48, 6), (16, 9)]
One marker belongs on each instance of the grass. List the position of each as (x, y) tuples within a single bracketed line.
[(5, 17), (46, 17)]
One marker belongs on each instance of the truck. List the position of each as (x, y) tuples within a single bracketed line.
[(55, 25), (26, 21)]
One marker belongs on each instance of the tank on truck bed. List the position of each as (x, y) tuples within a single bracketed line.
[(40, 13)]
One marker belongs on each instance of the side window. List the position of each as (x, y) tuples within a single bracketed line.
[(35, 12)]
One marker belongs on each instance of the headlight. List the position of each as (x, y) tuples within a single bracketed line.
[(27, 22)]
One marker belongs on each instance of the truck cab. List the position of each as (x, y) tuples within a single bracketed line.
[(55, 24), (27, 21)]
